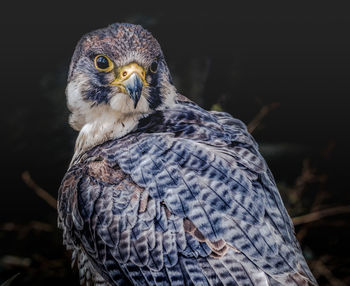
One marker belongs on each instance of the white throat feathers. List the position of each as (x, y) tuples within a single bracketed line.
[(100, 123)]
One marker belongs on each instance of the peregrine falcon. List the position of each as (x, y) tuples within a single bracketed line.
[(159, 190)]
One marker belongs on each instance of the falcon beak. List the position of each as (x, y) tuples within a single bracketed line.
[(131, 79)]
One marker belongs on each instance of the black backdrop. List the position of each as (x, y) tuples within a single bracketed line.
[(237, 57)]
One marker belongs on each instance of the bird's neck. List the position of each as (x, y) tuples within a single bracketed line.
[(103, 123), (107, 125)]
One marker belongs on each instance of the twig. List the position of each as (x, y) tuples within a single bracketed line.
[(33, 225), (266, 109), (9, 281), (317, 215), (38, 190), (309, 176), (320, 268), (12, 260)]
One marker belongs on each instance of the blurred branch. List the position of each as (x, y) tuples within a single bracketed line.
[(16, 261), (9, 281), (265, 110), (317, 215), (320, 268), (33, 225), (309, 177), (23, 231), (27, 179)]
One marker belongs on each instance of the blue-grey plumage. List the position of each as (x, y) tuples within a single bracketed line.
[(182, 197)]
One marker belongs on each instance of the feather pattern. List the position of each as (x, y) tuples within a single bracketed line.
[(185, 199)]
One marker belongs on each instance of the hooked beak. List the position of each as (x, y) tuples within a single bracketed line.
[(131, 79)]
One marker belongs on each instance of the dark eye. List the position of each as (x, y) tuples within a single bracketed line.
[(154, 66), (103, 63)]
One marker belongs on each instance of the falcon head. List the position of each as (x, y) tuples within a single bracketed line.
[(117, 72)]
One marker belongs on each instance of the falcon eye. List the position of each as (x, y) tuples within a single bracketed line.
[(103, 63), (154, 66)]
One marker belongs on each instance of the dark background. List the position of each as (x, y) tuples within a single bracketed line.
[(234, 58)]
